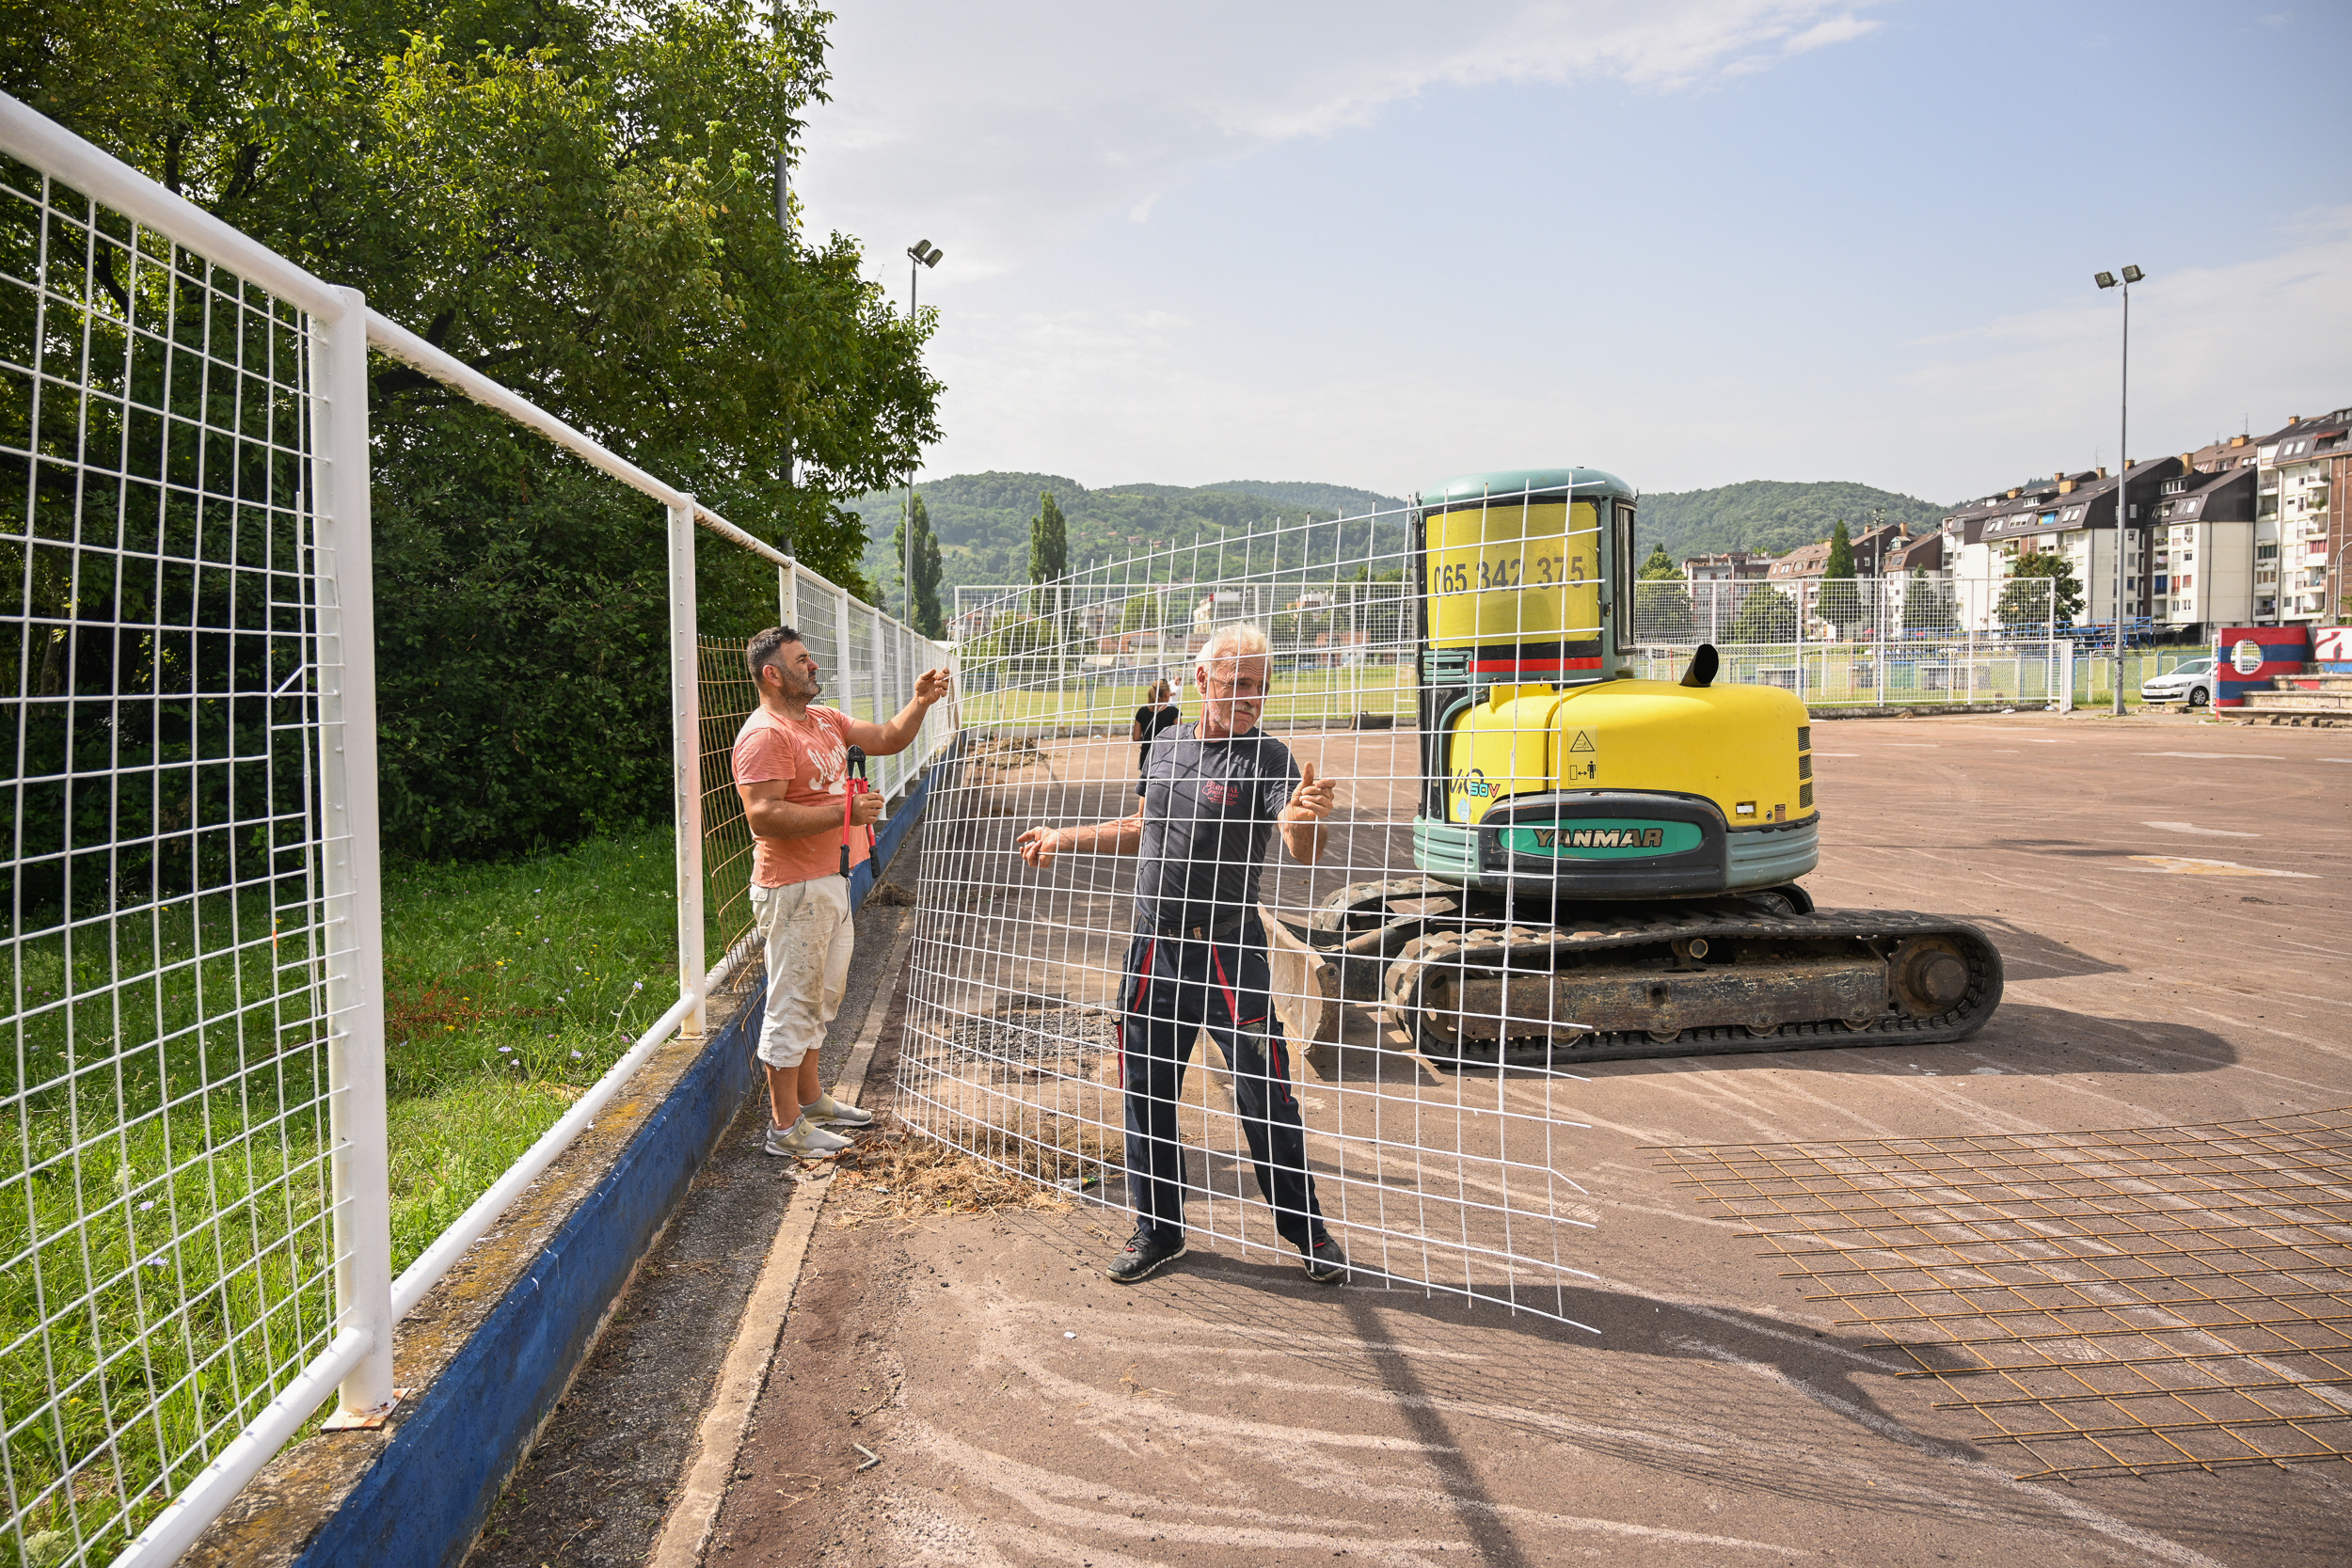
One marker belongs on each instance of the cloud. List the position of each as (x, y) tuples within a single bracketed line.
[(2256, 340), (1112, 396), (1011, 127), (1837, 29)]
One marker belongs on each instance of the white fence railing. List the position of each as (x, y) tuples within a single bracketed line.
[(193, 1214)]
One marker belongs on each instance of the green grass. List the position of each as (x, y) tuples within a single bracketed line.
[(164, 1223), (508, 989)]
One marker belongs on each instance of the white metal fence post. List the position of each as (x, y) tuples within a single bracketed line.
[(686, 747), (354, 869)]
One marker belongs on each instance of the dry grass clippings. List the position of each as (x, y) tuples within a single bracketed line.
[(900, 1173)]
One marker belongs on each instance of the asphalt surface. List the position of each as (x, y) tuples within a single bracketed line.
[(2171, 900)]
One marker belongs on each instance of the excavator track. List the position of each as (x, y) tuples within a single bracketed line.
[(1716, 976)]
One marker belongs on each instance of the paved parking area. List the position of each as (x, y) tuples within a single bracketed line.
[(2172, 902)]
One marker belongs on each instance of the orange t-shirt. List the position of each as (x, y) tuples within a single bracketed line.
[(814, 754)]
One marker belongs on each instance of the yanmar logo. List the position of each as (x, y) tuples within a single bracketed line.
[(1600, 838)]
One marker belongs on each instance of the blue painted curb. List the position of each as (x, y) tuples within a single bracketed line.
[(428, 1494)]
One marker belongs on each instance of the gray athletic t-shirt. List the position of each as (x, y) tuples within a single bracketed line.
[(1208, 810)]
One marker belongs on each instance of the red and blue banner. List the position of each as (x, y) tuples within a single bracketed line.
[(2252, 657)]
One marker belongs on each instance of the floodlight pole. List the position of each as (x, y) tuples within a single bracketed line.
[(2122, 488), (921, 254), (2123, 465)]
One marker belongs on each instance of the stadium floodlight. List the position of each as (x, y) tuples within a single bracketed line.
[(2123, 469), (921, 254)]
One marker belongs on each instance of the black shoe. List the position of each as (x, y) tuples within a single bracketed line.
[(1145, 1255), (1325, 1263)]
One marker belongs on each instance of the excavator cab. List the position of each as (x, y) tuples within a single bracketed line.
[(1550, 773), (1608, 865)]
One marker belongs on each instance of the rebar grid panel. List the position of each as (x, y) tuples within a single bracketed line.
[(167, 1241), (2120, 1302), (1025, 979)]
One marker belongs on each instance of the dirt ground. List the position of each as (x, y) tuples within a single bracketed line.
[(1025, 1410)]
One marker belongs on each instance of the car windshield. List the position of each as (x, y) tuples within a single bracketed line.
[(2194, 666)]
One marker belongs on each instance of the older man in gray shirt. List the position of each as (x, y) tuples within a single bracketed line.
[(1213, 794)]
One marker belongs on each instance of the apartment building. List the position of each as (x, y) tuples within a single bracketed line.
[(1728, 566), (2300, 533), (2070, 515), (2204, 559)]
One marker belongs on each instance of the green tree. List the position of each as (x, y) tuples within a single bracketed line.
[(1927, 604), (1766, 615), (923, 587), (573, 197), (1662, 602), (2041, 588), (1840, 601), (1049, 541)]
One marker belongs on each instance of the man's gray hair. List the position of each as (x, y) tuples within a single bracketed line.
[(1235, 640)]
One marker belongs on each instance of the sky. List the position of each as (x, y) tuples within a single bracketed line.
[(1690, 242)]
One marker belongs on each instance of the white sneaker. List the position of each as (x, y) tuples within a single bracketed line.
[(830, 1111), (804, 1140)]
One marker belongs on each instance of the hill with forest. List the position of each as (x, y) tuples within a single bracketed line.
[(1771, 515), (982, 520)]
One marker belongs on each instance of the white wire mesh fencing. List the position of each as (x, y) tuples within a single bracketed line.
[(1053, 1011), (193, 1183), (1869, 641), (167, 1231)]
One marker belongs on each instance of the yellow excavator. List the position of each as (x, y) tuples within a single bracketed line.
[(1609, 866)]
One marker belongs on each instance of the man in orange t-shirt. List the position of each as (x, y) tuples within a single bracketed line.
[(791, 768)]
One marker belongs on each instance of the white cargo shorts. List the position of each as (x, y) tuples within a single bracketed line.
[(809, 934)]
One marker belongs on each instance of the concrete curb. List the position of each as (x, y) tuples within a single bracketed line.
[(686, 1532)]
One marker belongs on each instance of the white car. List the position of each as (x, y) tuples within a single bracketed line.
[(2192, 683)]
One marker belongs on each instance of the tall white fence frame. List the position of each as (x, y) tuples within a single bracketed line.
[(355, 1362)]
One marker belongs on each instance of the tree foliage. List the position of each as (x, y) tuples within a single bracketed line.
[(983, 525), (1766, 615), (923, 587), (1770, 514), (572, 196), (1927, 603), (1840, 600), (2041, 589), (1049, 541)]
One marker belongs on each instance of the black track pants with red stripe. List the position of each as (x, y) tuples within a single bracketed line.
[(1175, 988)]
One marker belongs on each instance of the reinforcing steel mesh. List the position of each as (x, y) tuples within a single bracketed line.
[(167, 1240), (2111, 1303), (1456, 1182)]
